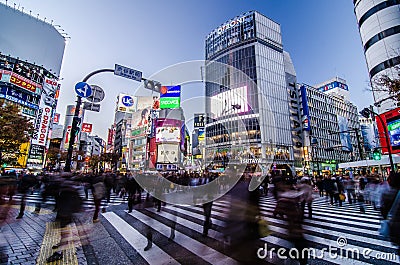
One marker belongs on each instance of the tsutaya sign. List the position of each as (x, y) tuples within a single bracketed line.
[(230, 24)]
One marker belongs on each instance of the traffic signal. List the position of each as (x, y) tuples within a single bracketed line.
[(152, 85), (365, 113), (377, 154)]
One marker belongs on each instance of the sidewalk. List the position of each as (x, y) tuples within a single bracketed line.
[(27, 241)]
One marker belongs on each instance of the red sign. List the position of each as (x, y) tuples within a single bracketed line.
[(387, 117), (24, 82), (56, 118), (110, 137), (152, 152), (87, 127)]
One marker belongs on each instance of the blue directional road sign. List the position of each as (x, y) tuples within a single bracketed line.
[(128, 72), (83, 90)]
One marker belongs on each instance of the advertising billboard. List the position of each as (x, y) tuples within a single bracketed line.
[(19, 97), (233, 101), (370, 136), (170, 97), (168, 134), (168, 153), (31, 39), (41, 126), (110, 136), (50, 92), (126, 103), (36, 156), (345, 139)]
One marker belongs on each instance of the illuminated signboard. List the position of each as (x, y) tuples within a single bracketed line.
[(41, 127), (17, 97), (126, 103), (333, 85), (56, 118), (394, 132), (25, 83)]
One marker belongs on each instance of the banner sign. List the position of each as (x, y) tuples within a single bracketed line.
[(306, 113), (39, 136), (50, 92), (56, 118)]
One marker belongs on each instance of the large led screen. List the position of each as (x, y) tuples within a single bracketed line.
[(394, 133), (233, 101)]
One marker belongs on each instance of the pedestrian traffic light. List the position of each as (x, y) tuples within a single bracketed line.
[(377, 154)]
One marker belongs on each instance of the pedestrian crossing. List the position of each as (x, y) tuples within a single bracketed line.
[(87, 204), (342, 228)]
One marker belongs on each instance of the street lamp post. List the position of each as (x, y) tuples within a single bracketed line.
[(75, 121), (366, 112)]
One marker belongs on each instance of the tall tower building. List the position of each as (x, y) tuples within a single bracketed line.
[(246, 95), (379, 26)]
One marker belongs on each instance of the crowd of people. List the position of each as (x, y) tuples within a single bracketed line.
[(292, 195)]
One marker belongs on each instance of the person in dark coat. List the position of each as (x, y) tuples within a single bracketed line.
[(26, 183), (388, 204)]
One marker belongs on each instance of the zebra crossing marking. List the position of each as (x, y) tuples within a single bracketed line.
[(138, 241), (199, 249)]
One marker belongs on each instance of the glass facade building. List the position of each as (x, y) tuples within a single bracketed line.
[(379, 25), (246, 94)]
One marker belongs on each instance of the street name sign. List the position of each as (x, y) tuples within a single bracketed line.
[(128, 72)]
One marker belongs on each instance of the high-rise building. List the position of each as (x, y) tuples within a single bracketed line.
[(248, 116), (379, 26), (332, 132), (29, 74)]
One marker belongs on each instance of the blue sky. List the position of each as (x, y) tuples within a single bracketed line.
[(321, 36)]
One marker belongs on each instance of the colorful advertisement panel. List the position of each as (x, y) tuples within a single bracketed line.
[(233, 101), (170, 97), (168, 153), (36, 156), (126, 103), (345, 139), (305, 119), (168, 134)]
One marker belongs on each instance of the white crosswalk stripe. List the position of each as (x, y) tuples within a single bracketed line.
[(328, 224)]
